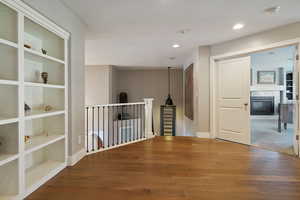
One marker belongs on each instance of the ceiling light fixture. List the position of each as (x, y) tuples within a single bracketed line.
[(183, 31), (175, 46), (238, 26), (272, 10)]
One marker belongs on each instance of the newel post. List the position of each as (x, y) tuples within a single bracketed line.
[(148, 117)]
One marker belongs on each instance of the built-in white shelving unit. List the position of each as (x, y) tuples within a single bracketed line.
[(33, 111), (38, 98), (8, 142), (9, 187), (44, 131), (42, 164)]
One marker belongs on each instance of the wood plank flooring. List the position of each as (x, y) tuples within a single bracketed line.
[(178, 168)]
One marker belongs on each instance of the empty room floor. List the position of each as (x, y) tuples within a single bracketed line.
[(264, 134), (178, 168)]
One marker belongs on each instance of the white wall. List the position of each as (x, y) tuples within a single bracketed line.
[(98, 86), (114, 85), (98, 91), (56, 11), (191, 126), (286, 32), (200, 125)]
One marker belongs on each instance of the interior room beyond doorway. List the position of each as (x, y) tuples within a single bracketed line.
[(272, 99)]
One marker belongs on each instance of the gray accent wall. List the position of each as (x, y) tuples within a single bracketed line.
[(152, 83)]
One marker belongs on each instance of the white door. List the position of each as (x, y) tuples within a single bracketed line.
[(233, 93)]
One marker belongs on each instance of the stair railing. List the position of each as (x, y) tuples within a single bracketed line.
[(114, 125)]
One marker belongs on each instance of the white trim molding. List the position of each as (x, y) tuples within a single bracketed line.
[(72, 160), (257, 49), (214, 59), (203, 134), (37, 17)]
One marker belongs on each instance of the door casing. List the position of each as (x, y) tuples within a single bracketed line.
[(213, 77)]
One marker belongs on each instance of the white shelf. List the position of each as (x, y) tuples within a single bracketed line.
[(38, 142), (9, 134), (44, 85), (38, 97), (6, 158), (34, 114), (9, 43), (8, 82), (34, 65), (43, 55), (38, 175), (8, 121)]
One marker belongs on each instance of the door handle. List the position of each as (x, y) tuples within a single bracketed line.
[(246, 106)]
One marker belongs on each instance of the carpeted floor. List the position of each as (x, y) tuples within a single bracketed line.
[(264, 134)]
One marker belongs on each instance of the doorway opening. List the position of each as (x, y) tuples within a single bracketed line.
[(242, 103), (273, 84)]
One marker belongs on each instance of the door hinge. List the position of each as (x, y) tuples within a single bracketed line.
[(297, 57), (297, 137), (297, 96)]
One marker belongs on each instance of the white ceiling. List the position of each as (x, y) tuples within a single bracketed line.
[(141, 32)]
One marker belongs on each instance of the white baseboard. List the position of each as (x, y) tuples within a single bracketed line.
[(203, 134), (72, 160), (152, 136)]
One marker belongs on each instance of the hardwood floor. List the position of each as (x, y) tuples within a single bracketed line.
[(178, 168)]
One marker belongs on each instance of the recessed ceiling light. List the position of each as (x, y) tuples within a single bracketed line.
[(175, 46), (172, 58), (272, 10), (238, 26), (183, 31)]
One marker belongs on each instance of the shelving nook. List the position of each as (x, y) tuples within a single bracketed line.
[(33, 99)]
